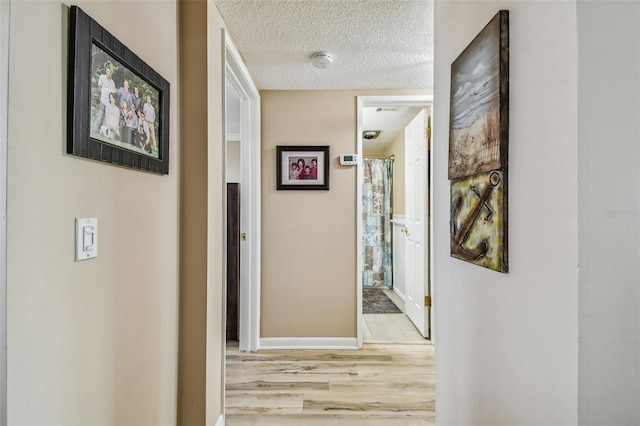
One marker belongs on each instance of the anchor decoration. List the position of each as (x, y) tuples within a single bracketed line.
[(478, 224)]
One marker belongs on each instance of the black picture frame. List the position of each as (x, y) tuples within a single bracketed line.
[(303, 158), (91, 129)]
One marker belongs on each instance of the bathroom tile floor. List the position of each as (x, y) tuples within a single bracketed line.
[(391, 328)]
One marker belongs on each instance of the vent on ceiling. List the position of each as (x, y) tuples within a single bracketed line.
[(388, 109)]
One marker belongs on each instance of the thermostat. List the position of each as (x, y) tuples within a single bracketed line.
[(348, 159)]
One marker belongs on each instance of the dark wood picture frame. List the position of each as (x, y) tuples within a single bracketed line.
[(295, 167), (90, 129)]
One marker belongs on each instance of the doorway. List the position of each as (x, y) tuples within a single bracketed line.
[(242, 124), (388, 121), (232, 178)]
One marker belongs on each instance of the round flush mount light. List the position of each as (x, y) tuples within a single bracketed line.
[(370, 134), (321, 60)]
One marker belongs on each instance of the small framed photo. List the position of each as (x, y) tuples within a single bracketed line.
[(302, 167), (118, 106)]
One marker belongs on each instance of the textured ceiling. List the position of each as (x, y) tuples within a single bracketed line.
[(375, 44)]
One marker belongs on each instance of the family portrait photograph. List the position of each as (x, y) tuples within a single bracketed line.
[(302, 167), (124, 107)]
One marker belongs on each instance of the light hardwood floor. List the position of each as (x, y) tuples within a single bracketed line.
[(391, 385)]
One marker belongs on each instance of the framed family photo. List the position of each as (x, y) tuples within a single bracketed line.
[(302, 167), (118, 106)]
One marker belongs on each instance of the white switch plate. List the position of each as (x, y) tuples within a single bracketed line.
[(86, 238)]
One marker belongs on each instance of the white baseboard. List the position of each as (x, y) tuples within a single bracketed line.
[(220, 421), (268, 343), (400, 295)]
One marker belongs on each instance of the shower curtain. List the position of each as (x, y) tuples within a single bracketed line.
[(376, 215)]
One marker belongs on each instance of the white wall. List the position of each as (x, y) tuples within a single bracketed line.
[(233, 161), (92, 342), (507, 343), (609, 212)]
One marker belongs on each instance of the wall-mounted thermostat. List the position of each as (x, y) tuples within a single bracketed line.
[(348, 159)]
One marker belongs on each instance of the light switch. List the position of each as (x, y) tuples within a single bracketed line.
[(86, 238)]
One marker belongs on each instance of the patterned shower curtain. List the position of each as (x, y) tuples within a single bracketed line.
[(376, 215)]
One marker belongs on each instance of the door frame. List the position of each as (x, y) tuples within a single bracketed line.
[(238, 75), (5, 21), (381, 101)]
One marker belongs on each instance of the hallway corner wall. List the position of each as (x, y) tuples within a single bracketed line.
[(507, 343), (609, 212), (202, 234), (92, 342), (192, 363)]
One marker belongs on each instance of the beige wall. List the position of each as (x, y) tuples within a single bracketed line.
[(91, 342), (193, 217), (201, 206), (216, 214), (309, 237)]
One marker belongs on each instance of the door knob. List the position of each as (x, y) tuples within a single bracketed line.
[(405, 230)]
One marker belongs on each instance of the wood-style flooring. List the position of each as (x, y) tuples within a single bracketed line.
[(390, 385)]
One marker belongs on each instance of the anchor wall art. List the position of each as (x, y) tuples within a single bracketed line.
[(479, 147)]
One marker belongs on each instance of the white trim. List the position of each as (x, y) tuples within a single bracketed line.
[(359, 261), (269, 343), (235, 73), (396, 100), (378, 101), (399, 219), (250, 179), (5, 21), (233, 136), (432, 287), (220, 421)]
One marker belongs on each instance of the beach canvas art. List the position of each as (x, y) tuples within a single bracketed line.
[(478, 131), (479, 149)]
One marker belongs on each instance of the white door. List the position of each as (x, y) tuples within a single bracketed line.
[(417, 241)]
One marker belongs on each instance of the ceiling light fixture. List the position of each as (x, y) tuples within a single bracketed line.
[(321, 60), (370, 134)]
